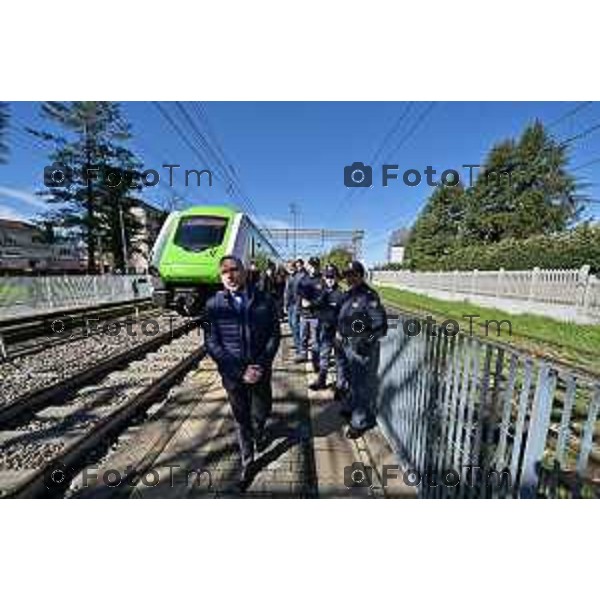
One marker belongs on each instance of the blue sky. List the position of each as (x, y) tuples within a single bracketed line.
[(287, 152)]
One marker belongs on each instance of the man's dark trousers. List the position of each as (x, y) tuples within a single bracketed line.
[(240, 334), (251, 406)]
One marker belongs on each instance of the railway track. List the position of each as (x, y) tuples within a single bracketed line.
[(19, 337), (50, 442), (34, 373)]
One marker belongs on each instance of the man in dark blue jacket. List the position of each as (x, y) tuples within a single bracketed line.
[(297, 272), (242, 337), (328, 307)]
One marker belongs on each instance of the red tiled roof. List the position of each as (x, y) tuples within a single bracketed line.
[(10, 224)]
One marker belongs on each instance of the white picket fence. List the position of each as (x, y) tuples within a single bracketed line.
[(565, 287), (22, 296)]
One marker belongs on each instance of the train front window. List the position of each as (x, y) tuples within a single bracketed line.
[(200, 233)]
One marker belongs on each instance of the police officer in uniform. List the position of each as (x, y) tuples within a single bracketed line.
[(309, 289), (362, 321), (328, 308)]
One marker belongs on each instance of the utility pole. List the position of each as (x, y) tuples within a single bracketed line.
[(123, 238), (91, 240), (294, 211)]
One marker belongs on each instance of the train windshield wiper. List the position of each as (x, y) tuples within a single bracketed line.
[(200, 248)]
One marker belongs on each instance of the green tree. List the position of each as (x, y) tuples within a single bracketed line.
[(438, 228), (261, 260), (524, 190), (4, 120), (91, 146), (339, 256)]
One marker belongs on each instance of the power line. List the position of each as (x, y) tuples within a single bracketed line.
[(393, 130), (200, 110), (390, 133), (223, 168), (586, 164), (228, 173), (570, 113), (580, 135), (420, 120), (204, 144), (175, 126), (179, 131)]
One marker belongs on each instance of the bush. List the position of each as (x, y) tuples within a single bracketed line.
[(568, 250)]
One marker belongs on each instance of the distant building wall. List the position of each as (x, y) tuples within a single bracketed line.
[(396, 254), (23, 249), (150, 220)]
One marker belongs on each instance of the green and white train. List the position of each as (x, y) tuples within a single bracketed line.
[(185, 258)]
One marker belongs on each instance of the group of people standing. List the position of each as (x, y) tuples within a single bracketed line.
[(327, 320), (243, 336)]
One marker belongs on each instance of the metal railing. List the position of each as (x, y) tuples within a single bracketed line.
[(566, 287), (475, 419), (22, 296)]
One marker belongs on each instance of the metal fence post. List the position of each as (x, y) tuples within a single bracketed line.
[(539, 424)]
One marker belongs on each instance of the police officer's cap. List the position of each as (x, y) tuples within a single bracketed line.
[(330, 271), (314, 261), (354, 268)]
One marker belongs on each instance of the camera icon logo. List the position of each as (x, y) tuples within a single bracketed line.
[(358, 475), (58, 175), (358, 175), (61, 327), (56, 476), (357, 325)]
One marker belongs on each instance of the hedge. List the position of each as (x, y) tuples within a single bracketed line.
[(569, 250)]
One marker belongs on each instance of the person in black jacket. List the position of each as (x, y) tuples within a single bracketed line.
[(328, 307), (280, 287), (242, 337), (297, 272), (310, 287), (362, 322)]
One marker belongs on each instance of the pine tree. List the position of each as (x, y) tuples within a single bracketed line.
[(538, 197), (438, 228), (91, 147)]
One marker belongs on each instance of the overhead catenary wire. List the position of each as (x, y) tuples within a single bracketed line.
[(419, 121), (586, 164), (569, 113), (185, 139), (388, 135), (567, 141), (227, 171)]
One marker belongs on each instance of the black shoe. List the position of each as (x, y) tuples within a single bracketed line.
[(261, 440), (346, 414), (339, 394), (352, 433), (247, 470), (317, 385)]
